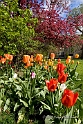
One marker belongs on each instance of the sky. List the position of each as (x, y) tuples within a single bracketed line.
[(72, 4), (75, 3)]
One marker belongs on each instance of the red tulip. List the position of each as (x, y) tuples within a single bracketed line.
[(59, 60), (62, 77), (52, 84), (60, 68), (69, 98)]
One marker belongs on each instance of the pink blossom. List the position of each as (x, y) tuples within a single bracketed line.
[(33, 75)]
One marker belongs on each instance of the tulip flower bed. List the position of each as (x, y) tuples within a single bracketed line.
[(40, 91)]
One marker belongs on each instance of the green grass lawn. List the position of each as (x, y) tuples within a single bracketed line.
[(79, 83), (80, 72)]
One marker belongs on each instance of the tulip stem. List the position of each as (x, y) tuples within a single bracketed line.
[(52, 100), (26, 73)]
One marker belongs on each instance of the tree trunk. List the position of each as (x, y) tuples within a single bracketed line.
[(82, 48), (82, 52)]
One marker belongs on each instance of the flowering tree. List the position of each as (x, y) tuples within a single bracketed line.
[(60, 5), (51, 27)]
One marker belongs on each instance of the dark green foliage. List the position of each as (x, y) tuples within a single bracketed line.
[(6, 118), (16, 29)]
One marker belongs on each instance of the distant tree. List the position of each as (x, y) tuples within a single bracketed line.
[(76, 15)]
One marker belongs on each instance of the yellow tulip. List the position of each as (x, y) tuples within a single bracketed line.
[(72, 61), (69, 57)]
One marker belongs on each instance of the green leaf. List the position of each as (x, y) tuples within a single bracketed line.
[(19, 93), (68, 117), (8, 101), (24, 103), (5, 107), (1, 101), (11, 79), (72, 73), (45, 106), (42, 93), (81, 106), (18, 87), (16, 106), (49, 119)]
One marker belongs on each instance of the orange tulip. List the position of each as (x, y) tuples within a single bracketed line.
[(68, 61), (76, 56), (31, 58), (28, 64), (40, 63), (52, 55), (46, 67), (26, 58), (39, 58), (8, 57), (11, 57), (3, 60)]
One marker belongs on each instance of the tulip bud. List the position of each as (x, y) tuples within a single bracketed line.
[(76, 56), (52, 55), (78, 62)]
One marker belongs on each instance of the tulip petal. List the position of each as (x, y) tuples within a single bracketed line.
[(75, 98)]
